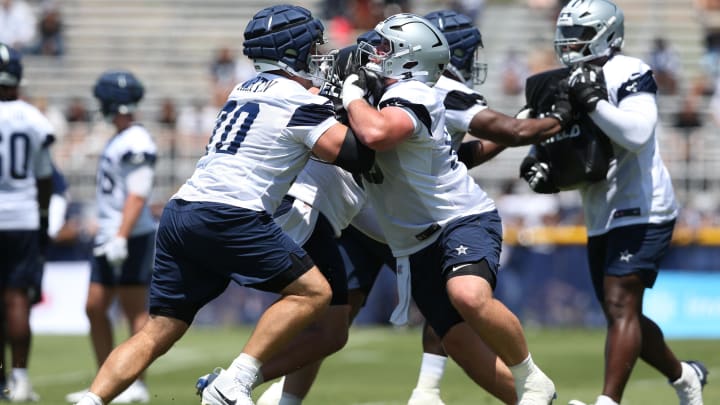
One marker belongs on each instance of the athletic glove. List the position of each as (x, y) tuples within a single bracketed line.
[(115, 251), (587, 87), (363, 84), (537, 175), (346, 62), (562, 109)]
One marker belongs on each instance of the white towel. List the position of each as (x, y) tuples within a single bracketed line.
[(399, 316)]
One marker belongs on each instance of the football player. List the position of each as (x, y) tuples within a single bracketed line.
[(218, 227), (25, 190), (631, 215), (442, 228), (364, 245), (121, 265)]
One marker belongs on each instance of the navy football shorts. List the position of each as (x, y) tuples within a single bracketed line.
[(202, 246)]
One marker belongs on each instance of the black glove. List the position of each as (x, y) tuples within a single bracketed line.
[(346, 62), (537, 174), (374, 84), (459, 100), (562, 108), (587, 87)]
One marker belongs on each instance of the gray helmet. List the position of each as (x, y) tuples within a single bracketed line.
[(411, 48), (587, 30)]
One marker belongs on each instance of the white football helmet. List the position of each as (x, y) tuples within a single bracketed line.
[(410, 48), (587, 30)]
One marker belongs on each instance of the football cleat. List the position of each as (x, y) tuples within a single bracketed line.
[(137, 392), (429, 396), (220, 388), (20, 390), (538, 389), (272, 395), (74, 397), (690, 392)]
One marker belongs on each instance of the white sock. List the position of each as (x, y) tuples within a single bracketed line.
[(431, 371), (90, 399), (289, 399), (522, 370), (245, 368), (605, 400), (686, 376), (19, 374)]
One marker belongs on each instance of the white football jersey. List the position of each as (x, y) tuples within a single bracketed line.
[(124, 152), (457, 122), (331, 190), (24, 134), (262, 139), (638, 188), (419, 185)]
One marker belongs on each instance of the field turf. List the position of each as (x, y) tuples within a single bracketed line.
[(378, 366)]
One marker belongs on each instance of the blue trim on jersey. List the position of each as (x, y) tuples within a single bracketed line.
[(142, 158), (309, 115), (636, 84), (420, 111), (49, 140), (59, 183)]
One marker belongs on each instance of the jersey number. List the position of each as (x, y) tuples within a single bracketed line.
[(250, 110), (18, 153)]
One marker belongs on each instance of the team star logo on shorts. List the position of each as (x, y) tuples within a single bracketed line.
[(461, 250), (625, 256)]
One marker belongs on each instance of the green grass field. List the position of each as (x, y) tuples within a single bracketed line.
[(378, 366)]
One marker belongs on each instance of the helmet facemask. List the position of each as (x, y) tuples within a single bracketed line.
[(320, 66), (474, 72), (410, 47)]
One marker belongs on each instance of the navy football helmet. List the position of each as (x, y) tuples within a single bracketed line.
[(465, 40), (286, 37), (119, 92), (11, 68)]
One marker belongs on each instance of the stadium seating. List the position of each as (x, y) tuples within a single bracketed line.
[(170, 43)]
